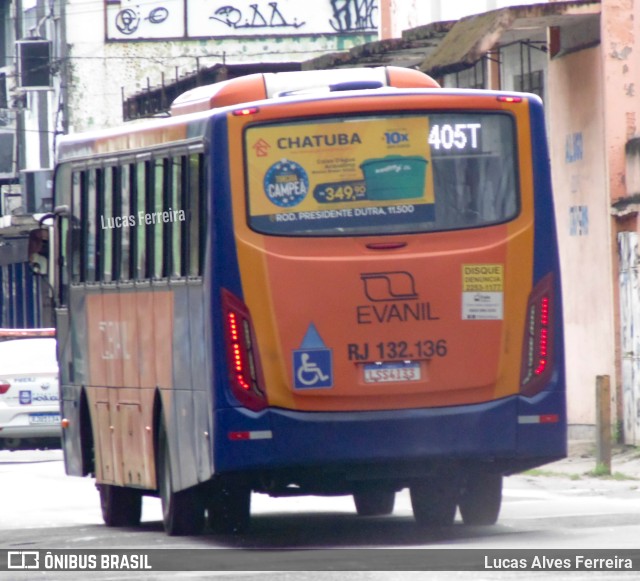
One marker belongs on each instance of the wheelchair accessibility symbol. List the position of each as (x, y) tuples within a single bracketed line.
[(312, 363)]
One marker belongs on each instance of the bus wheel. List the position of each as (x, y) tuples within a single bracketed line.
[(434, 501), (229, 508), (481, 498), (121, 507), (183, 511), (374, 501)]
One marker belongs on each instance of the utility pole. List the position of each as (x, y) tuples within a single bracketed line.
[(603, 424), (20, 137)]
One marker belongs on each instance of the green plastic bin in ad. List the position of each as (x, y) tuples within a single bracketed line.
[(395, 177)]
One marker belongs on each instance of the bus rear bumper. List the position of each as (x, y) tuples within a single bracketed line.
[(514, 434)]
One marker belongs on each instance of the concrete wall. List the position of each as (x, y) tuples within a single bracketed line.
[(573, 93), (620, 31), (575, 108), (132, 44)]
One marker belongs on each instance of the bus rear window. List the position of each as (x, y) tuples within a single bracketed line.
[(381, 175)]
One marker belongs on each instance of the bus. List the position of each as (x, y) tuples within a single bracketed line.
[(337, 282)]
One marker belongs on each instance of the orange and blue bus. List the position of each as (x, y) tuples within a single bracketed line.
[(316, 283)]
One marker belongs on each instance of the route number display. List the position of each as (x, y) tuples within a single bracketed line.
[(456, 136)]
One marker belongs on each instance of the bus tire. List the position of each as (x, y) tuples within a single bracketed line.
[(374, 501), (434, 501), (481, 498), (121, 507), (182, 511), (229, 508)]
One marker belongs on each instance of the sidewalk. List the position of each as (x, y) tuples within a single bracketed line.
[(581, 461)]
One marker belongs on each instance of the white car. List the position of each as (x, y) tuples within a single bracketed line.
[(29, 391)]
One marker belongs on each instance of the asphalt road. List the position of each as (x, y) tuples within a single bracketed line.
[(293, 538)]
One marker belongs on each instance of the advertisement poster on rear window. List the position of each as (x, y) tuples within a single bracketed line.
[(339, 176)]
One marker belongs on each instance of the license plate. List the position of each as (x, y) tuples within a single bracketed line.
[(44, 418), (392, 372)]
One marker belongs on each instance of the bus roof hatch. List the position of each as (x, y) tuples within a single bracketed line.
[(272, 85)]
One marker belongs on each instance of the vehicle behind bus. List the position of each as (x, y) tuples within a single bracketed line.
[(29, 394), (298, 285)]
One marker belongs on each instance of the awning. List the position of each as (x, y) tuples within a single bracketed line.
[(472, 37), (409, 51)]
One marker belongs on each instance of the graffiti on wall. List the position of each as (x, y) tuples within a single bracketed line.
[(144, 19), (578, 213), (579, 220), (350, 15), (574, 147), (128, 20), (272, 18), (161, 19)]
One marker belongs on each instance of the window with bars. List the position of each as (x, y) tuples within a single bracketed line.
[(138, 220)]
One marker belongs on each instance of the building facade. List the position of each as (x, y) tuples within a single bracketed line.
[(95, 53), (579, 56)]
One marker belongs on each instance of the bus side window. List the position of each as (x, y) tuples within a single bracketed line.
[(64, 244), (138, 199), (155, 204), (196, 215), (106, 226), (166, 195), (177, 226), (89, 218), (184, 220), (116, 176), (62, 232), (123, 208), (77, 229), (202, 212)]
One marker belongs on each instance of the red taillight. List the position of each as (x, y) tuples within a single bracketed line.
[(543, 336), (244, 370), (4, 386), (537, 348)]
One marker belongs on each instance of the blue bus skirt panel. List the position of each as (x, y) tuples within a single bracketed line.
[(542, 425), (487, 432)]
